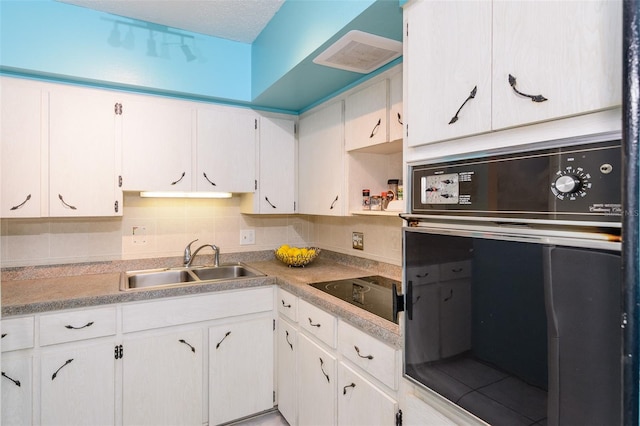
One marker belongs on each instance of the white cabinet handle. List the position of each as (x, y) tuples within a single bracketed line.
[(21, 204), (534, 98), (312, 324), (187, 343), (344, 389), (70, 327), (55, 374), (287, 339), (181, 177), (362, 356), (15, 382), (64, 203), (471, 96), (375, 128), (323, 372)]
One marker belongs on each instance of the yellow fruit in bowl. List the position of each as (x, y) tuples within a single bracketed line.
[(295, 256)]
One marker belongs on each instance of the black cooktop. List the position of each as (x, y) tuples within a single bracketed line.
[(373, 293)]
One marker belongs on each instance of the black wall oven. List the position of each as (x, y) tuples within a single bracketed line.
[(512, 278)]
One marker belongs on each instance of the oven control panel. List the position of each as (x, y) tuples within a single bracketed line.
[(574, 183)]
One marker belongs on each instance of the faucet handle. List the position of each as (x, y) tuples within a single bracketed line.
[(187, 252)]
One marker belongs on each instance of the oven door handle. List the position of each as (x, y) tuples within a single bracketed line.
[(398, 301)]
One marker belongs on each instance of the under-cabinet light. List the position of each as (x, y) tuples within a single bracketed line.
[(171, 194)]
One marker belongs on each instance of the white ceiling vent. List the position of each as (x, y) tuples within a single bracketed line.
[(361, 52)]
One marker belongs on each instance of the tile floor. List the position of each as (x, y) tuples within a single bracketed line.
[(272, 418), (492, 395)]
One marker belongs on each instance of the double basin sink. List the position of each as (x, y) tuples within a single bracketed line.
[(172, 277)]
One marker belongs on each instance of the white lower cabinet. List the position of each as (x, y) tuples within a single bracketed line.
[(162, 378), (362, 403), (17, 388), (142, 363), (317, 384), (17, 371), (77, 384), (240, 368), (352, 383), (287, 370)]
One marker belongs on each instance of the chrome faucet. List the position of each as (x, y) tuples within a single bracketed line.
[(188, 257)]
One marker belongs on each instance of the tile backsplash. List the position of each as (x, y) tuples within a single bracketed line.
[(162, 227)]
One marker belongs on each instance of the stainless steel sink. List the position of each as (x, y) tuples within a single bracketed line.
[(223, 272), (172, 277)]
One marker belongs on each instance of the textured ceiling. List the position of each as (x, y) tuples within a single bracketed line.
[(238, 20)]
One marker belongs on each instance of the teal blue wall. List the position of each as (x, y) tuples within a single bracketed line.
[(70, 42), (53, 40), (299, 28)]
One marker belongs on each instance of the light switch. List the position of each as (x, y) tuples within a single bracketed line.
[(247, 236)]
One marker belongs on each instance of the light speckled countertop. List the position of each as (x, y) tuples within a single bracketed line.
[(45, 293)]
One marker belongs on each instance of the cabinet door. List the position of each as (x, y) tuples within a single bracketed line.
[(448, 56), (321, 162), (317, 384), (77, 385), (277, 182), (17, 388), (361, 403), (162, 379), (240, 369), (287, 371), (366, 117), (226, 150), (568, 52), (82, 154), (455, 317), (23, 118), (396, 119), (156, 145)]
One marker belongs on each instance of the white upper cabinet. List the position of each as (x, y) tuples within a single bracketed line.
[(568, 52), (396, 118), (83, 168), (276, 162), (226, 146), (564, 59), (373, 114), (448, 58), (321, 161), (60, 151), (366, 120), (23, 145), (156, 144)]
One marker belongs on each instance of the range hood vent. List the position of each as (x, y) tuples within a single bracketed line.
[(360, 52)]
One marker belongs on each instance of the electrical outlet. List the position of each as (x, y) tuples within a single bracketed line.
[(139, 234), (247, 236), (357, 238)]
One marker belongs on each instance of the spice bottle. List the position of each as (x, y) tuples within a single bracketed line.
[(384, 199), (376, 203), (392, 191), (366, 200)]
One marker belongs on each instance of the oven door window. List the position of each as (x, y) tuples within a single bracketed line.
[(482, 320)]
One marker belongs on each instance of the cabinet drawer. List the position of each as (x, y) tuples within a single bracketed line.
[(77, 325), (287, 305), (317, 322), (373, 356), (420, 275), (185, 310), (17, 334), (455, 270)]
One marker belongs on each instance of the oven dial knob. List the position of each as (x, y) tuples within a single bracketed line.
[(567, 184), (571, 183)]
